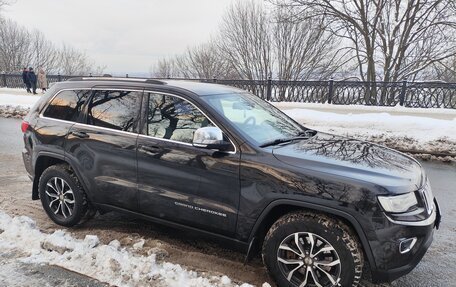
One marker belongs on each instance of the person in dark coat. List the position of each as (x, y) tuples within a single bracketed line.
[(26, 80), (32, 78)]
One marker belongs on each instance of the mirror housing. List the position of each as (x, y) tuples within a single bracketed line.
[(210, 138)]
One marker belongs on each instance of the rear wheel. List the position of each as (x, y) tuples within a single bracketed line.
[(305, 249), (62, 195)]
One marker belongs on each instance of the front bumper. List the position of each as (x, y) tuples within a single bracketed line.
[(391, 264)]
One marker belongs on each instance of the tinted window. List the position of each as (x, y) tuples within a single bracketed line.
[(67, 105), (114, 109), (173, 118)]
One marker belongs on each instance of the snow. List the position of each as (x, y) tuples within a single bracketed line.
[(17, 100), (110, 263), (422, 129)]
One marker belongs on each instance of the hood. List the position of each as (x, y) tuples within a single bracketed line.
[(353, 159)]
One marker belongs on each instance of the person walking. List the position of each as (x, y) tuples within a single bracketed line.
[(32, 79), (26, 80), (42, 80)]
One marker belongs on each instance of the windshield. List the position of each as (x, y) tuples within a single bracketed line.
[(253, 117)]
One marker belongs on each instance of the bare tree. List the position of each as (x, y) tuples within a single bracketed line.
[(14, 46), (204, 62), (21, 48), (245, 40), (75, 62), (43, 52), (304, 49), (165, 68), (391, 39)]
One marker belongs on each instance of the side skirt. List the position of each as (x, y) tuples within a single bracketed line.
[(231, 242)]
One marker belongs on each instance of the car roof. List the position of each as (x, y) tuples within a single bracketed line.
[(195, 87)]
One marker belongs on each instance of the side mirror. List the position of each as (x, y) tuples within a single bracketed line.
[(210, 138)]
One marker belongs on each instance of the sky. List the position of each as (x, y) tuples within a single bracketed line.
[(126, 36)]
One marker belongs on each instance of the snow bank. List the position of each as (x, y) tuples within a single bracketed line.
[(365, 109), (423, 129), (107, 263), (17, 100)]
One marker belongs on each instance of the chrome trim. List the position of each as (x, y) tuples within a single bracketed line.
[(428, 221), (113, 130), (414, 240)]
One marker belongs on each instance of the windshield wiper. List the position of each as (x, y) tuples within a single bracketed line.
[(300, 136)]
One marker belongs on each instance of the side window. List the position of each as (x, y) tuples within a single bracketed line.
[(173, 118), (114, 109), (67, 105)]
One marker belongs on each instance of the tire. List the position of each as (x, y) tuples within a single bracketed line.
[(65, 206), (341, 259)]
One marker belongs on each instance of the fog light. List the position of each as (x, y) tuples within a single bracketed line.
[(406, 245)]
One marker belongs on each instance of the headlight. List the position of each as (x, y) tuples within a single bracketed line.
[(398, 203)]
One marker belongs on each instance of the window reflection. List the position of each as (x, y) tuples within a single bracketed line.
[(114, 109), (67, 105), (173, 118)]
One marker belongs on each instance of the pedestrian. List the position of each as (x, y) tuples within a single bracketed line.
[(32, 79), (26, 80), (42, 80)]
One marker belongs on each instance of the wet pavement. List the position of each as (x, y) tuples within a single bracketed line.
[(436, 268)]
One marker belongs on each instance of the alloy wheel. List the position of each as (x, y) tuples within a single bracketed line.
[(306, 259), (60, 197)]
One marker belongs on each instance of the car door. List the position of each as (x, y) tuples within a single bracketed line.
[(103, 147), (177, 181)]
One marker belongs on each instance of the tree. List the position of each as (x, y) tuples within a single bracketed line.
[(204, 62), (391, 40), (303, 49), (245, 40), (165, 68), (14, 46)]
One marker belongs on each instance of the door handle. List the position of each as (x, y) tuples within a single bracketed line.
[(151, 149), (81, 135)]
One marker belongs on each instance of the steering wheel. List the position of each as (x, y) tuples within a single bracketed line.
[(250, 120)]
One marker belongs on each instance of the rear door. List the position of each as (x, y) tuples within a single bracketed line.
[(177, 181), (103, 147)]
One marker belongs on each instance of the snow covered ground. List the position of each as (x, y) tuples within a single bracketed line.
[(407, 129), (111, 263), (421, 131)]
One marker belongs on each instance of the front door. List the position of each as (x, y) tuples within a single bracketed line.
[(178, 182), (103, 147)]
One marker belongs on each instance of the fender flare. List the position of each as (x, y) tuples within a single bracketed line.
[(56, 156), (320, 208)]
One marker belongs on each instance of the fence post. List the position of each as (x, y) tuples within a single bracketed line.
[(59, 77), (269, 89), (214, 80), (4, 79), (330, 90), (403, 92)]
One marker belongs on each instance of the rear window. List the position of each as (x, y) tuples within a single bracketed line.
[(67, 105)]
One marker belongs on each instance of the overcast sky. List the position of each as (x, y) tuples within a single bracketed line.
[(127, 36)]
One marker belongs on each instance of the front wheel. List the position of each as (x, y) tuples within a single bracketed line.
[(304, 249)]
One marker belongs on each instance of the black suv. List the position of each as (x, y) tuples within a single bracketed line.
[(322, 209)]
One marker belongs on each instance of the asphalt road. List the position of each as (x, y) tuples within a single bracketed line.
[(436, 268)]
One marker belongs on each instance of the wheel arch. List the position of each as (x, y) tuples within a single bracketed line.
[(278, 208), (45, 160)]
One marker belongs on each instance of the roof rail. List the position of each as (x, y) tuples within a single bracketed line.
[(138, 80)]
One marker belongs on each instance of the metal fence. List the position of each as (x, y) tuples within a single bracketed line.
[(408, 94)]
